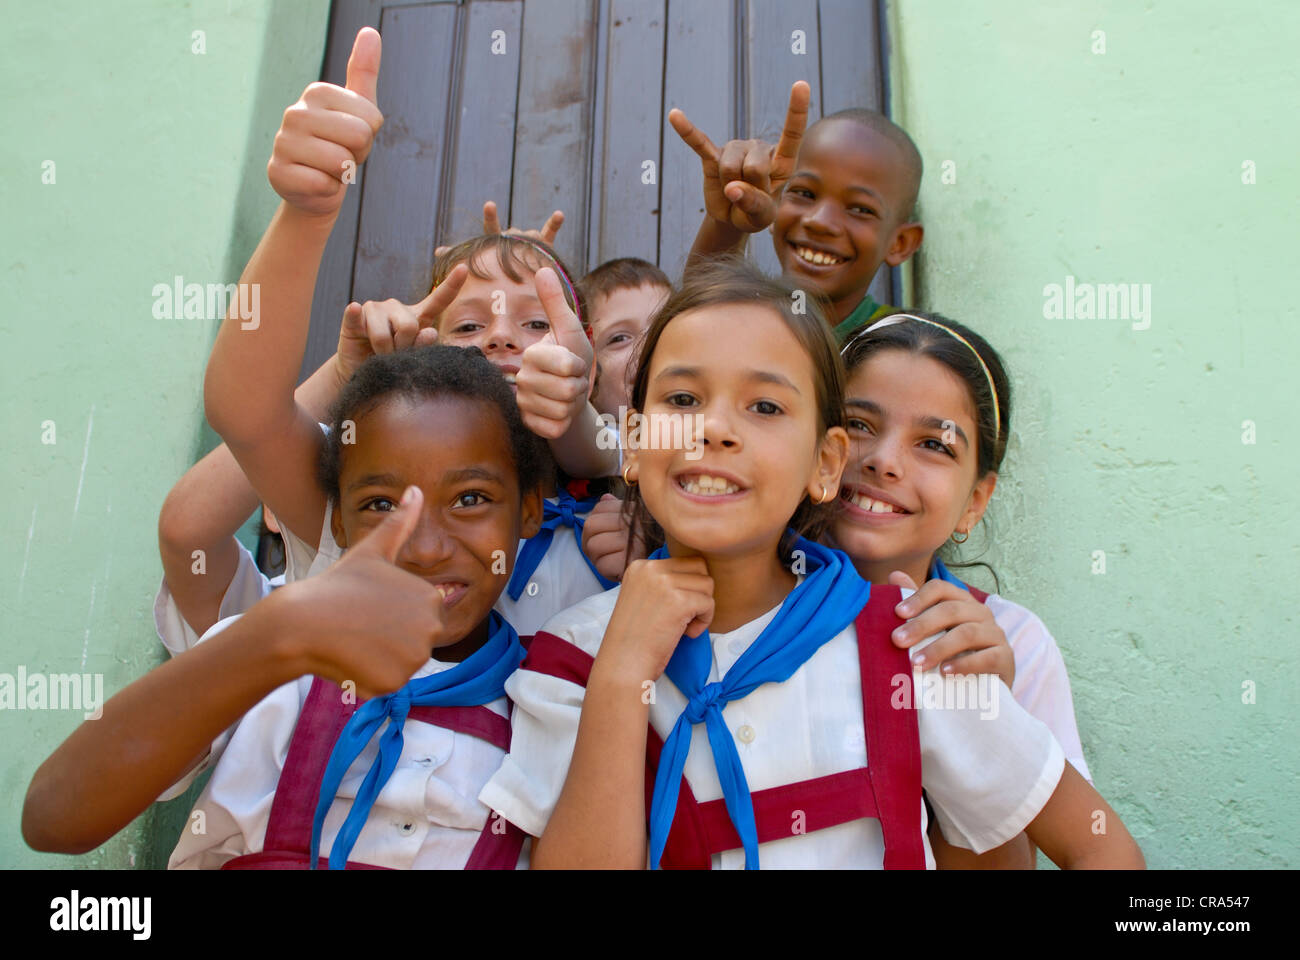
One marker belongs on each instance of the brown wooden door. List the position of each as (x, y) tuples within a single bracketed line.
[(562, 104)]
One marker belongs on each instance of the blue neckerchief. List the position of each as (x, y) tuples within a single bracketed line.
[(477, 680), (565, 512), (828, 600), (939, 572)]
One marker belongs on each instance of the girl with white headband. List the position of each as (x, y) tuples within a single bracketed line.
[(927, 409)]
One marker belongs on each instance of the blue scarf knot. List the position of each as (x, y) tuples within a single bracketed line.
[(567, 512), (480, 678), (828, 600), (399, 707), (697, 707)]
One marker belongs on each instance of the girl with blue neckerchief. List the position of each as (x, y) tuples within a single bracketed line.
[(928, 412), (719, 708), (442, 481)]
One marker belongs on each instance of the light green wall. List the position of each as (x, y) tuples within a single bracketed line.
[(1127, 167), (160, 158)]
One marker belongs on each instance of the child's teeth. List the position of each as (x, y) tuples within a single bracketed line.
[(874, 506), (708, 486), (816, 256), (443, 590)]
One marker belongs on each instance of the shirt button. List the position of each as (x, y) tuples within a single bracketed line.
[(745, 734), (406, 829)]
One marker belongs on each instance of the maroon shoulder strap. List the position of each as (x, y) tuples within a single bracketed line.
[(893, 736), (323, 716), (977, 593), (700, 830), (558, 658)]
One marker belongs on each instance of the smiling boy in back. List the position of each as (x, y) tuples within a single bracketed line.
[(839, 199)]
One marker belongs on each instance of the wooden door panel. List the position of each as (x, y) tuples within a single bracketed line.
[(483, 137), (400, 197), (626, 135)]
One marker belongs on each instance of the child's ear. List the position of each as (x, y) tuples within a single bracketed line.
[(530, 513), (979, 500), (336, 525), (905, 242), (630, 465), (832, 458)]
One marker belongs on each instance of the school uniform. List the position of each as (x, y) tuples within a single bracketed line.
[(247, 586), (563, 575), (1042, 685), (804, 745), (256, 811)]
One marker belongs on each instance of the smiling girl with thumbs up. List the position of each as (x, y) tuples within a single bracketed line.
[(441, 483)]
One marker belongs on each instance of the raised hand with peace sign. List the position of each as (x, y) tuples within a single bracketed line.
[(389, 325), (743, 180), (492, 225)]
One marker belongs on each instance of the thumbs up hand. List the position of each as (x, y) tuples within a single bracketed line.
[(365, 619), (328, 133), (554, 378)]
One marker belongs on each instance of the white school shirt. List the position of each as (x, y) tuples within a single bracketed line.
[(561, 579), (247, 586), (1042, 685), (427, 816), (986, 778)]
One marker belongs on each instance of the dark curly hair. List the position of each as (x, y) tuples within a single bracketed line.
[(423, 372)]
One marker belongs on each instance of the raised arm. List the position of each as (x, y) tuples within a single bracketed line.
[(249, 388), (743, 180)]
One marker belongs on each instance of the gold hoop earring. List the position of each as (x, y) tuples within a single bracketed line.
[(825, 496), (964, 538), (626, 468)]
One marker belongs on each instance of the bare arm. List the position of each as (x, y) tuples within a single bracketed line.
[(364, 620), (249, 388), (111, 768), (578, 452), (600, 818), (1078, 830), (204, 510)]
